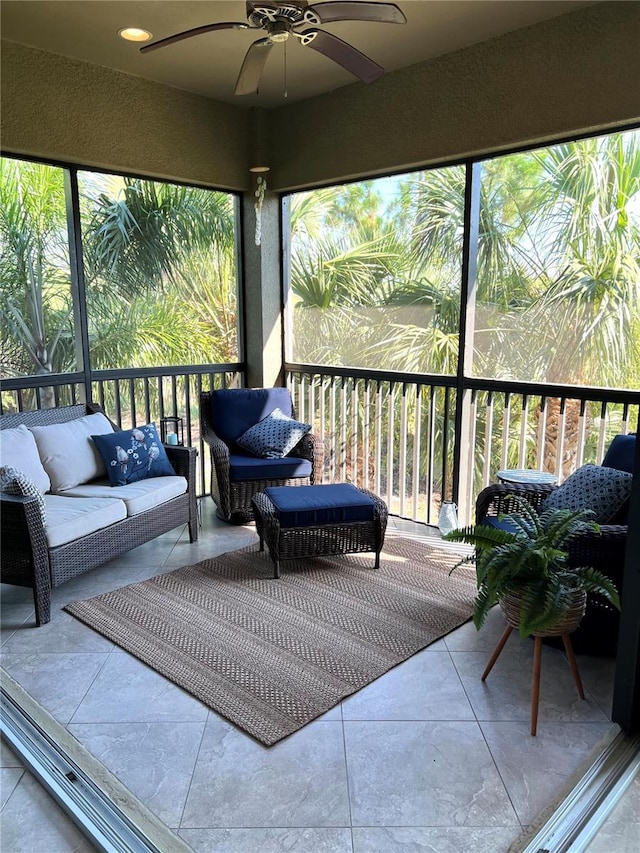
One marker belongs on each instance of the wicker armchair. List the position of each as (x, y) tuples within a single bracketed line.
[(232, 485), (598, 631)]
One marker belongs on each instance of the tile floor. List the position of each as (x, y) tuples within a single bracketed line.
[(426, 758)]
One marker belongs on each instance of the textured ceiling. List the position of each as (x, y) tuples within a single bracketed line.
[(209, 64)]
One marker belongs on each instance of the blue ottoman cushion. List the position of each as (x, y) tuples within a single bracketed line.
[(309, 505), (256, 468)]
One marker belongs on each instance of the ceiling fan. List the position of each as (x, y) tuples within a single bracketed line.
[(281, 20)]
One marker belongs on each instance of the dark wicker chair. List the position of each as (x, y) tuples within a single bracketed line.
[(26, 558), (231, 494), (605, 551)]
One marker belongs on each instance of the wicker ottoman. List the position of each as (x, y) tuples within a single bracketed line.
[(312, 521)]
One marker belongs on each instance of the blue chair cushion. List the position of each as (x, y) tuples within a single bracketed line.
[(620, 453), (133, 454), (328, 504), (274, 436), (234, 410), (255, 468), (500, 524)]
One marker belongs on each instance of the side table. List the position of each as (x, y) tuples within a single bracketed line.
[(526, 475)]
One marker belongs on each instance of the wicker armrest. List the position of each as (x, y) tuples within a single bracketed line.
[(24, 554), (603, 550), (498, 497), (183, 460), (311, 447)]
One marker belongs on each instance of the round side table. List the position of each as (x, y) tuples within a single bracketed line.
[(526, 475)]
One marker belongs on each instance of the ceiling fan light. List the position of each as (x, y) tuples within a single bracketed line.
[(260, 169), (134, 34)]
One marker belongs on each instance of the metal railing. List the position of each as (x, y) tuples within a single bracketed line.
[(395, 433), (390, 432)]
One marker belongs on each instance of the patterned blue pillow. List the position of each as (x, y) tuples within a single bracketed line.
[(602, 490), (274, 436), (133, 454)]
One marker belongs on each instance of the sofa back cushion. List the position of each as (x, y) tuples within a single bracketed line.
[(67, 452), (620, 456), (18, 449), (620, 453), (234, 410)]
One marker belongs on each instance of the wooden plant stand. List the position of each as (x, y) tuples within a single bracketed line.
[(537, 661)]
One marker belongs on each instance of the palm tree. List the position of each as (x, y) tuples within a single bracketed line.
[(35, 292)]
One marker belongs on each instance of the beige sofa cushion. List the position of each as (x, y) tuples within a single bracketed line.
[(67, 452), (18, 449), (138, 496), (71, 518)]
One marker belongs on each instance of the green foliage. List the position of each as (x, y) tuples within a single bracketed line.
[(531, 560), (35, 296)]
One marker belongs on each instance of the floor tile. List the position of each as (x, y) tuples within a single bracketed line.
[(31, 820), (467, 638), (9, 778), (534, 769), (128, 691), (10, 595), (8, 758), (506, 692), (57, 681), (425, 687), (299, 782), (598, 675), (423, 773), (15, 617), (64, 634), (154, 760), (324, 840), (433, 839), (420, 774)]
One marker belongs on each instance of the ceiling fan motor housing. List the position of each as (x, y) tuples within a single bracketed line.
[(263, 14)]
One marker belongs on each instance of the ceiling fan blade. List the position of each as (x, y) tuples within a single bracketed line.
[(340, 10), (344, 54), (196, 31), (252, 67)]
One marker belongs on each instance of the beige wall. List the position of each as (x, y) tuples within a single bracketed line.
[(63, 109), (576, 73)]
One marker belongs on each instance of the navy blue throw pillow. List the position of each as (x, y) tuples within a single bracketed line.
[(133, 454)]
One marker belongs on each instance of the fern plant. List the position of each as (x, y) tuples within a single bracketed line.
[(531, 560)]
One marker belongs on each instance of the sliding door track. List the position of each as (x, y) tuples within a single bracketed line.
[(92, 797)]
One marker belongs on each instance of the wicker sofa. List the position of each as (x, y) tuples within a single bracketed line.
[(30, 558)]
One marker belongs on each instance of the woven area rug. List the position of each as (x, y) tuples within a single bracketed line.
[(271, 655)]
